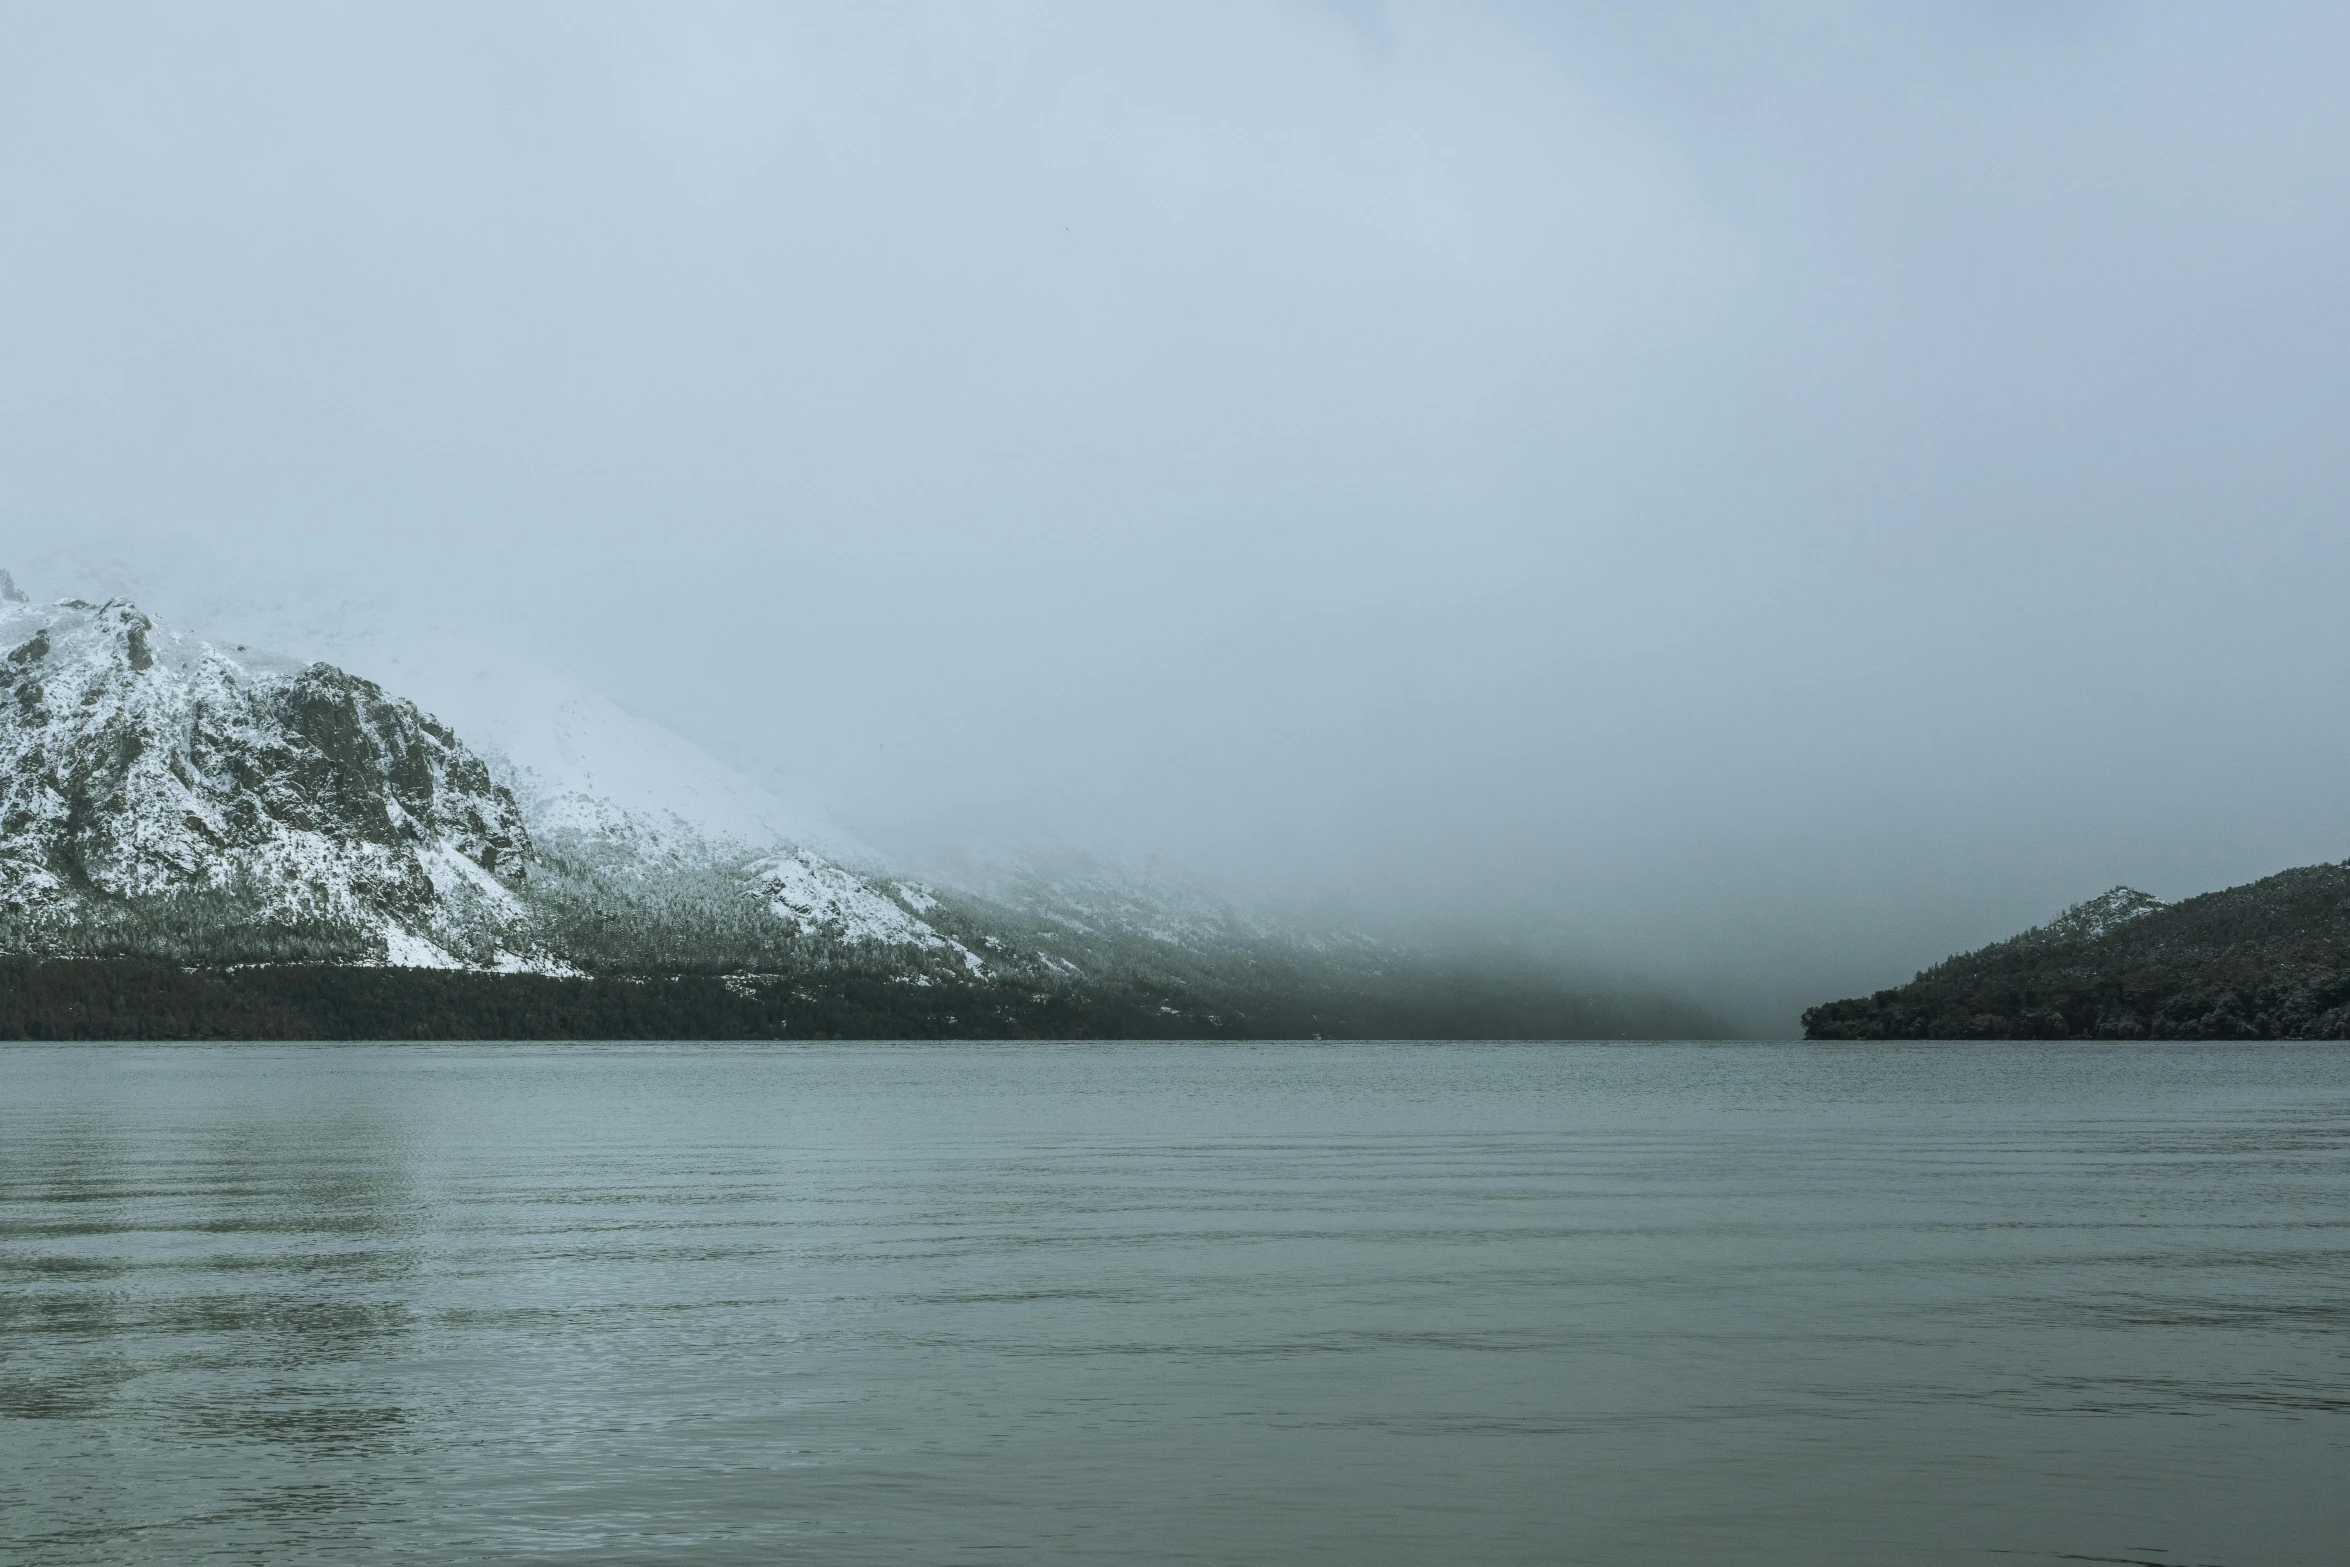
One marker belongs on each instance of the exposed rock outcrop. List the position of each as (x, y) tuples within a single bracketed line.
[(141, 769)]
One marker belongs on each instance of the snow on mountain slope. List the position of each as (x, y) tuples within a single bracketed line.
[(599, 783), (2088, 921), (800, 887), (584, 766), (1059, 892), (575, 759), (139, 765), (639, 817)]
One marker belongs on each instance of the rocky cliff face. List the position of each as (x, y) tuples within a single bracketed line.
[(142, 771)]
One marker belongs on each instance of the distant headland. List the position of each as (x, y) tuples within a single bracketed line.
[(2269, 960)]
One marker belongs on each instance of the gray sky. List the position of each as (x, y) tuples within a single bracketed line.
[(1763, 496)]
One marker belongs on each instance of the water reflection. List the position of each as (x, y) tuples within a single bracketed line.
[(193, 1299)]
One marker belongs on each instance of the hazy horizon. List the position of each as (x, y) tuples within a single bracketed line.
[(1753, 504)]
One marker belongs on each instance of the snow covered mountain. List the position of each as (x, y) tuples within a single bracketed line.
[(429, 801), (473, 810), (615, 796), (143, 770), (165, 793)]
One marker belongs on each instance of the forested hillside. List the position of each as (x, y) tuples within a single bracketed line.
[(2270, 960)]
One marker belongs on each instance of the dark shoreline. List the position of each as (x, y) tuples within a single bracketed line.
[(130, 999)]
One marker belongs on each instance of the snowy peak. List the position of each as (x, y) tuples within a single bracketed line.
[(140, 767)]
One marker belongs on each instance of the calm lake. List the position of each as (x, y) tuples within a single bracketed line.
[(1314, 1303)]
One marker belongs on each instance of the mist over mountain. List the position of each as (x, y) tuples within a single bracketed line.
[(223, 810)]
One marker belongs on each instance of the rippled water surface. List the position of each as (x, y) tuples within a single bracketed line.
[(1146, 1303)]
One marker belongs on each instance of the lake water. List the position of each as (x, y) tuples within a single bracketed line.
[(1332, 1303)]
